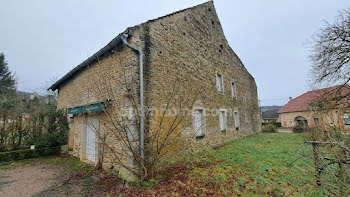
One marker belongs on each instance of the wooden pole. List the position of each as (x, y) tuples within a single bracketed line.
[(316, 164)]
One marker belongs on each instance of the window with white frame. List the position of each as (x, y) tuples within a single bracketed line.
[(219, 82), (199, 122), (223, 120), (233, 89)]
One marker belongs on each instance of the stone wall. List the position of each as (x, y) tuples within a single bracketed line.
[(115, 77), (185, 50)]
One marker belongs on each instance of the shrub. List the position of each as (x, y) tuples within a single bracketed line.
[(315, 134), (49, 128), (298, 129), (32, 123), (149, 183), (276, 124), (269, 128), (48, 139), (28, 153)]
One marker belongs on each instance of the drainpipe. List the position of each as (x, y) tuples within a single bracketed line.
[(142, 111)]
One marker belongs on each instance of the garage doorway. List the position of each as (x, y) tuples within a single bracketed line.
[(91, 127)]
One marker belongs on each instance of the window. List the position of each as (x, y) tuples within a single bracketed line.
[(316, 122), (222, 120), (346, 118), (199, 122), (347, 121), (314, 106), (244, 97), (233, 89), (284, 123), (236, 117), (219, 82)]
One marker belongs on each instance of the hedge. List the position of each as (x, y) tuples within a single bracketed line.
[(269, 128), (6, 157), (277, 124)]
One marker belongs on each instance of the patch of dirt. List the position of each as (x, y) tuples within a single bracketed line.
[(78, 185), (41, 180), (285, 130), (176, 182), (29, 180)]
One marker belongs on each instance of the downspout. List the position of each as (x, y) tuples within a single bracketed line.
[(142, 110)]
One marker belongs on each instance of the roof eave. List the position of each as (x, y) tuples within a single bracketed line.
[(111, 45)]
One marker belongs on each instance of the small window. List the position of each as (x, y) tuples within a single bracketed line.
[(219, 82), (314, 106), (233, 89), (222, 120), (236, 118), (284, 123), (199, 122), (316, 122), (346, 119), (244, 97)]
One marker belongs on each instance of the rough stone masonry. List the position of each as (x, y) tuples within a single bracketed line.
[(188, 66)]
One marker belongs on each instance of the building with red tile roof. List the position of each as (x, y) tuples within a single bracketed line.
[(306, 108)]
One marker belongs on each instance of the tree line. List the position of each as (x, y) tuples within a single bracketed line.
[(27, 122)]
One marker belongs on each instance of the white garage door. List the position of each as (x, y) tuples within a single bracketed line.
[(91, 127)]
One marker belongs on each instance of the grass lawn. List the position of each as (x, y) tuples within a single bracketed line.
[(272, 164)]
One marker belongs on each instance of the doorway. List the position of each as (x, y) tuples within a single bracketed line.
[(92, 126)]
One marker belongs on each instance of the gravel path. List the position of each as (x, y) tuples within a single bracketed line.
[(285, 130), (29, 180)]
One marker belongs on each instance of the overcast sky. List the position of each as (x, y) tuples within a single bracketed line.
[(43, 40)]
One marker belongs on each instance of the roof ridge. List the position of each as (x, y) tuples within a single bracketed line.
[(115, 41), (168, 15), (326, 88), (179, 11)]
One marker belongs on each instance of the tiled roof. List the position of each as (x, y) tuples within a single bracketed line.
[(270, 114), (302, 103)]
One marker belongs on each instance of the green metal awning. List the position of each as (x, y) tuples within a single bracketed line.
[(94, 107)]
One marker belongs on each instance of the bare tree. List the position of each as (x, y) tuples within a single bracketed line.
[(330, 57), (118, 131), (330, 53)]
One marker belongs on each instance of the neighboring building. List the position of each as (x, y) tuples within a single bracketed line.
[(272, 107), (28, 96), (270, 116), (186, 49), (305, 110), (33, 96)]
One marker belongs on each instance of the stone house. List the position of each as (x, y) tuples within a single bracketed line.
[(182, 58), (305, 110), (270, 116)]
